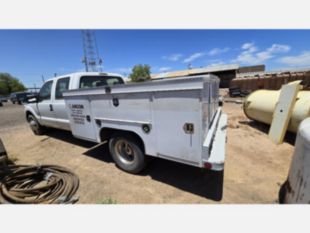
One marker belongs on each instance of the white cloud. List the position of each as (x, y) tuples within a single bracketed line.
[(164, 69), (217, 51), (302, 59), (193, 57), (279, 48), (246, 46), (249, 47), (173, 57), (249, 55)]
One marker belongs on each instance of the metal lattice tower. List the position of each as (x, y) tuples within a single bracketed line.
[(91, 58)]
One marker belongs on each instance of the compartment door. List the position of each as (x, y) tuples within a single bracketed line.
[(177, 126), (80, 117)]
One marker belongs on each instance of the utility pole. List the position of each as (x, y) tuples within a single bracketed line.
[(91, 57)]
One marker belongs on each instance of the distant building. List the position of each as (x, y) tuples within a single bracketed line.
[(225, 72), (251, 69)]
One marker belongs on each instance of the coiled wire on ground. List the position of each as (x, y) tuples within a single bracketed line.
[(46, 184)]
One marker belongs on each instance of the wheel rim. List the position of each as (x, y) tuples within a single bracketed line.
[(33, 124), (124, 151)]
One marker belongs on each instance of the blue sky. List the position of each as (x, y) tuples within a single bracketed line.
[(28, 54)]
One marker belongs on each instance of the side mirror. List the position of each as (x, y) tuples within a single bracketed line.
[(33, 98)]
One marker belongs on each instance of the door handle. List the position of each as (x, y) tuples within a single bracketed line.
[(51, 107)]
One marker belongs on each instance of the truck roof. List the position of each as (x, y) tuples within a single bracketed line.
[(87, 73)]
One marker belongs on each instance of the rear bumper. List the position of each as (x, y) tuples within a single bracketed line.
[(215, 143)]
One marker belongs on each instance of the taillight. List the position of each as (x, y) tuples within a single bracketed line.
[(207, 165)]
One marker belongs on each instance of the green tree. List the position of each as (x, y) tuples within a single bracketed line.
[(9, 84), (140, 73)]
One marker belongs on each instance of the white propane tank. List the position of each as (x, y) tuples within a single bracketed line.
[(261, 104), (297, 187)]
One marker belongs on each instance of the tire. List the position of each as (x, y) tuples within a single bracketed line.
[(127, 153), (35, 126)]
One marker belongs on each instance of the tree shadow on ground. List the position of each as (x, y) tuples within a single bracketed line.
[(289, 136), (205, 183)]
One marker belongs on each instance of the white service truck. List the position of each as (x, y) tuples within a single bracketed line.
[(178, 119)]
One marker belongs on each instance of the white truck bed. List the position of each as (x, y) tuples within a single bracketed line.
[(177, 119)]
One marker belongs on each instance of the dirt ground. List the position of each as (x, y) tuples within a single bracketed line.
[(254, 168)]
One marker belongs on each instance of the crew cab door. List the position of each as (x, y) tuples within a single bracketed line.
[(61, 115), (45, 105)]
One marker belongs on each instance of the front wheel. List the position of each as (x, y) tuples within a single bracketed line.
[(35, 126), (127, 153)]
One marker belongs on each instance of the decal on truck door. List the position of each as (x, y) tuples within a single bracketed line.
[(77, 113)]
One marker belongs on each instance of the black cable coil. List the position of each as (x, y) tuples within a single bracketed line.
[(46, 184)]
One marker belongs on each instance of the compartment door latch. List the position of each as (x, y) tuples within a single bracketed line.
[(188, 128)]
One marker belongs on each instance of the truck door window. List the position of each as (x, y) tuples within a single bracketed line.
[(61, 86), (45, 92), (98, 81)]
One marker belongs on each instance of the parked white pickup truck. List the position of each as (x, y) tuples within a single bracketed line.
[(177, 119)]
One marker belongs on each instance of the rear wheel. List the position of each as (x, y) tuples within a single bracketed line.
[(127, 153), (35, 126)]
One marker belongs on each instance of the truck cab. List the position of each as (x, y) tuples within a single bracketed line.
[(48, 108)]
